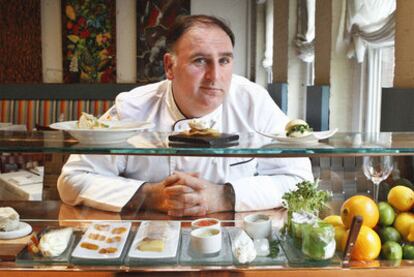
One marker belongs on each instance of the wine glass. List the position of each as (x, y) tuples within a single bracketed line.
[(377, 169)]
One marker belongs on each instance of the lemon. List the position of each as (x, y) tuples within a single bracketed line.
[(403, 222), (401, 198), (334, 220), (410, 236), (340, 232)]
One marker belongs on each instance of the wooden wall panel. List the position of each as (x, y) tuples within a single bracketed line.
[(323, 34), (20, 42), (404, 45), (280, 41)]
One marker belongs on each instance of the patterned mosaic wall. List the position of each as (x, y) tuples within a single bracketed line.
[(20, 42)]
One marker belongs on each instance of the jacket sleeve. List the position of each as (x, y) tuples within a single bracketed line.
[(94, 181), (276, 176)]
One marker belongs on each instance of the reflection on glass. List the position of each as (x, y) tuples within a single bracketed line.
[(377, 169)]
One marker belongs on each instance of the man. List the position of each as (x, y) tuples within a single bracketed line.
[(200, 87)]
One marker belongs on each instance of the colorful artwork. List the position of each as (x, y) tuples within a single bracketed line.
[(154, 20), (89, 41), (20, 43)]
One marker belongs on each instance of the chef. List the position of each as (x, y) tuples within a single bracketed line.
[(200, 87)]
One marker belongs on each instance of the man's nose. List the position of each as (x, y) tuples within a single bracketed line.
[(213, 71)]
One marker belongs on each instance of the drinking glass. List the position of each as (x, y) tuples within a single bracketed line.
[(377, 169)]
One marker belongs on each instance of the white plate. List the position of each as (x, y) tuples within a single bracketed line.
[(22, 230), (312, 138), (118, 131), (171, 244), (81, 252)]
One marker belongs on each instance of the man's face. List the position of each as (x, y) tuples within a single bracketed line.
[(200, 69)]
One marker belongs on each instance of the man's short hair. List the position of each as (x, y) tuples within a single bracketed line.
[(185, 23)]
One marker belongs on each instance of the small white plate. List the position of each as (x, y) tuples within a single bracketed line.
[(312, 138), (171, 244), (23, 229), (81, 252), (117, 132)]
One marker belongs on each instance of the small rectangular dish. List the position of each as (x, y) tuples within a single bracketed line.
[(102, 242)]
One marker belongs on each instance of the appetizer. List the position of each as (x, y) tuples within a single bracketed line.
[(88, 121), (243, 248), (156, 233), (102, 241), (297, 128), (52, 243), (9, 219), (201, 128)]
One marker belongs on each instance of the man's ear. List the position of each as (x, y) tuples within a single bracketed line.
[(168, 66)]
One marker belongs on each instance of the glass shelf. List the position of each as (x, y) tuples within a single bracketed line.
[(250, 144)]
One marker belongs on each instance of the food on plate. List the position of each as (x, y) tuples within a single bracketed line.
[(318, 240), (102, 227), (306, 199), (90, 246), (208, 233), (54, 242), (201, 128), (113, 239), (94, 236), (297, 128), (155, 235), (9, 219), (51, 243), (118, 230), (108, 250), (205, 222), (151, 245), (262, 247), (243, 248), (88, 121)]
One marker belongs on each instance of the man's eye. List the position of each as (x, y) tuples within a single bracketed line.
[(200, 61), (225, 60)]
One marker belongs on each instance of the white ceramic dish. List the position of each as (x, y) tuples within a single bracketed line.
[(108, 231), (257, 226), (206, 240), (206, 222), (116, 133), (170, 248), (312, 138), (22, 230)]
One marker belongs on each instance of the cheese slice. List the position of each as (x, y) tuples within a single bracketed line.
[(149, 245)]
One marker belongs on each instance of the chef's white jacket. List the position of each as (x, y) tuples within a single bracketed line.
[(109, 181)]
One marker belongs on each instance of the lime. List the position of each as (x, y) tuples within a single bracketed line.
[(392, 250), (386, 213), (389, 234), (408, 251)]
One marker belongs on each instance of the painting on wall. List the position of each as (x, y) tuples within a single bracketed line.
[(89, 41), (20, 42), (155, 17)]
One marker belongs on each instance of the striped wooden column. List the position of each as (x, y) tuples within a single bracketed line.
[(278, 87), (404, 45)]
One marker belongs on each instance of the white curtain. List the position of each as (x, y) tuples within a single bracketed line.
[(367, 23)]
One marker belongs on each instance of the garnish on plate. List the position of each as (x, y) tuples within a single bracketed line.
[(297, 128), (201, 128), (89, 121)]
